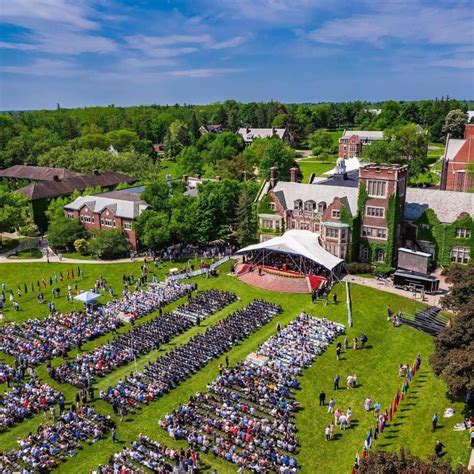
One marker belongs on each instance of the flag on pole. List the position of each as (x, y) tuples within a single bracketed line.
[(368, 441), (357, 461)]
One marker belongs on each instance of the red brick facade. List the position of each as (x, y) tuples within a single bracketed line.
[(105, 220), (350, 147), (455, 175)]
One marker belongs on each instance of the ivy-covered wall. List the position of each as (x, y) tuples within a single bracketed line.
[(264, 205), (443, 236), (393, 218)]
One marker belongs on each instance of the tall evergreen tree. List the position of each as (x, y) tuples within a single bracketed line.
[(246, 219)]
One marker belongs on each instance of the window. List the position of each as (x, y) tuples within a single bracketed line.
[(332, 233), (460, 255), (380, 255), (336, 213), (127, 225), (364, 254), (374, 232), (376, 188), (309, 206), (304, 226), (107, 222), (272, 206), (463, 233), (375, 211), (267, 223), (322, 206), (87, 218), (298, 204), (70, 215), (402, 186)]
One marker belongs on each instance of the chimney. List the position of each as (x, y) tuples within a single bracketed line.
[(198, 176), (273, 176), (294, 174), (248, 130), (96, 172), (185, 177), (55, 177), (217, 178)]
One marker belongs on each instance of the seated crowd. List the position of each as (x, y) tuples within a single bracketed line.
[(45, 450), (151, 455), (170, 370), (247, 415), (37, 340), (24, 400), (140, 340)]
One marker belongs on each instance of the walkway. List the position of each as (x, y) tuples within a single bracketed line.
[(432, 300)]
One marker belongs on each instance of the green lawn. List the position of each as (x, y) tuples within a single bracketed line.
[(376, 367), (313, 165)]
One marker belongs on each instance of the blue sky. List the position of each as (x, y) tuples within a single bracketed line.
[(82, 53)]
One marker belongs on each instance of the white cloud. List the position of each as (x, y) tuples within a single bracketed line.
[(29, 12), (205, 72), (400, 21), (231, 43), (44, 67)]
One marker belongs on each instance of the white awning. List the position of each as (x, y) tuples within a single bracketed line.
[(87, 296), (352, 164), (297, 242)]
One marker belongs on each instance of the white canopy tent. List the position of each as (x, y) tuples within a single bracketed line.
[(299, 243), (87, 297)]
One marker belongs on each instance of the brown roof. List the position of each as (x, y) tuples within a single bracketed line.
[(38, 173), (50, 189)]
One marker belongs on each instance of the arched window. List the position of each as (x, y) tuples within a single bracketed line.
[(380, 255), (309, 205), (298, 204), (364, 254), (322, 206)]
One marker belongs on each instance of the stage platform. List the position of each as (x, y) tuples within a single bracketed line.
[(274, 279)]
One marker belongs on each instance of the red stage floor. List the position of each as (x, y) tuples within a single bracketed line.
[(276, 280)]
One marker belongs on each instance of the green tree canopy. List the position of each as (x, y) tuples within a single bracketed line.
[(108, 244), (14, 211), (246, 221), (454, 123), (320, 141), (62, 232)]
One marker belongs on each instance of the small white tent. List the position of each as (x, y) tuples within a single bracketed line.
[(302, 243), (87, 297)]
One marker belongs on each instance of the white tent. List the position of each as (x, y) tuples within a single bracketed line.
[(300, 243), (352, 164), (87, 297)]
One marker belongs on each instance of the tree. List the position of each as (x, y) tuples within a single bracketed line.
[(404, 145), (108, 244), (387, 462), (91, 141), (320, 141), (190, 161), (177, 137), (62, 232), (461, 291), (153, 229), (246, 219), (194, 126), (453, 359), (268, 152), (454, 123), (14, 211), (122, 140), (157, 195)]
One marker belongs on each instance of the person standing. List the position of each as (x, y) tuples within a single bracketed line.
[(322, 398), (114, 435), (336, 382), (338, 352), (434, 422), (327, 431), (331, 405)]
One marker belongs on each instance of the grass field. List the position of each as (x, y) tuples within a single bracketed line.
[(313, 165), (376, 367)]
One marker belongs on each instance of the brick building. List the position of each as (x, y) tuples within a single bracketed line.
[(352, 142), (458, 162), (111, 210), (366, 215)]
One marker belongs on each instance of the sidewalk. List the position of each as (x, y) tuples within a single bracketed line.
[(432, 300), (55, 259)]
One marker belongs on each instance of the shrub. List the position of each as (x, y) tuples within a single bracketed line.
[(383, 269), (354, 268), (81, 246)]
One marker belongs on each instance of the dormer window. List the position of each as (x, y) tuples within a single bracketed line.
[(272, 206), (298, 204), (309, 205), (322, 206)]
